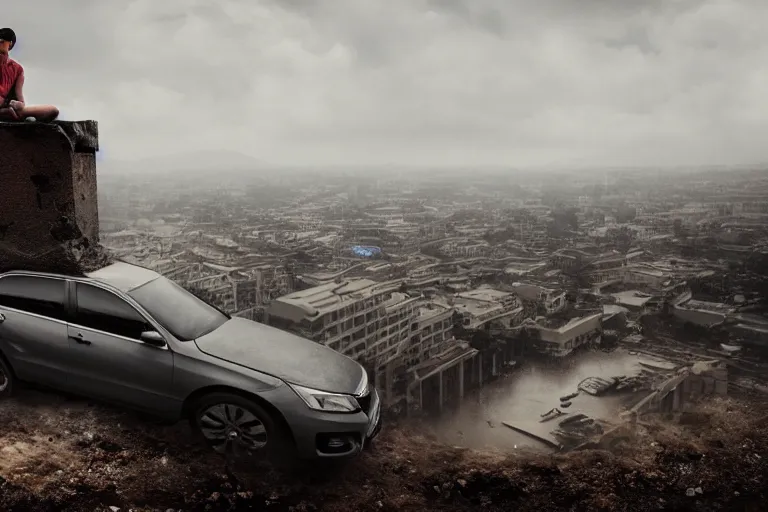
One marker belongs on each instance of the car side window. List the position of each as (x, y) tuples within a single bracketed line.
[(102, 310), (39, 295)]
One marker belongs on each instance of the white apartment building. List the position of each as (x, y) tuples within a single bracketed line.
[(482, 307), (389, 332), (341, 314), (433, 334), (366, 320)]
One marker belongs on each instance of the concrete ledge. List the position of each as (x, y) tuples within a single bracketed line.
[(82, 136)]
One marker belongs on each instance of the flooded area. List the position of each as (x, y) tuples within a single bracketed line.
[(522, 397)]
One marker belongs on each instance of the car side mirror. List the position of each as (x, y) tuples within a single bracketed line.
[(153, 338)]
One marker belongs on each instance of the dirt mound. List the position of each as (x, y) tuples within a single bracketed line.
[(65, 454)]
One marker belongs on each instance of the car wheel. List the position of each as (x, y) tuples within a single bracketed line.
[(236, 427), (6, 379)]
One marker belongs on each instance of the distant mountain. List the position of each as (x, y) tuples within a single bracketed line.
[(194, 162)]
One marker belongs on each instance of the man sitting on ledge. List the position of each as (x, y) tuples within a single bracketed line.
[(12, 105)]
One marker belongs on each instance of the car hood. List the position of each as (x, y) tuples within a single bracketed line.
[(278, 353)]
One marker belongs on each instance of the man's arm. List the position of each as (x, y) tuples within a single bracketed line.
[(18, 92)]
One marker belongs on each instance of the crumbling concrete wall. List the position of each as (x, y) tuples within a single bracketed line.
[(48, 197), (677, 393)]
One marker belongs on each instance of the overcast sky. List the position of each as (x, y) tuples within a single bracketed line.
[(512, 82)]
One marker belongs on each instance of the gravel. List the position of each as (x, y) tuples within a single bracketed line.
[(65, 454)]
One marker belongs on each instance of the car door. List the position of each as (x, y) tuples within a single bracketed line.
[(110, 360), (33, 328)]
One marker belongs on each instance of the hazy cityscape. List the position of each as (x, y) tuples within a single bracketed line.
[(439, 285), (505, 312), (393, 256)]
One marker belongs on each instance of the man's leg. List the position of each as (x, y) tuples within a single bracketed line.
[(43, 113), (8, 115)]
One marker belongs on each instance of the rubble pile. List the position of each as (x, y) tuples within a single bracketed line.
[(66, 455), (597, 385), (576, 430)]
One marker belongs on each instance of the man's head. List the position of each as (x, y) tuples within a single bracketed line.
[(7, 40)]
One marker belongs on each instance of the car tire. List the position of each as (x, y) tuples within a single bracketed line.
[(239, 429), (6, 379)]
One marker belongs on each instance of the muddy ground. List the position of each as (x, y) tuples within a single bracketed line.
[(59, 453)]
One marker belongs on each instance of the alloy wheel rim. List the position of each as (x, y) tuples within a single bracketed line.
[(232, 429)]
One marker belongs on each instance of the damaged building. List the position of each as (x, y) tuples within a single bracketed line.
[(560, 336), (404, 341)]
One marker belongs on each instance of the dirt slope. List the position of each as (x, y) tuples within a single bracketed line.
[(63, 454)]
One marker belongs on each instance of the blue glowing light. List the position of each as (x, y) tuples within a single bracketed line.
[(366, 251)]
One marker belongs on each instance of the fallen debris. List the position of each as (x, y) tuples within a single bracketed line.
[(551, 414), (596, 386), (540, 439), (577, 430)]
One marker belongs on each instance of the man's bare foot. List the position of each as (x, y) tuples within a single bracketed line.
[(8, 115)]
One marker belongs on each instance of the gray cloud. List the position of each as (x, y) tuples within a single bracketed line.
[(413, 81)]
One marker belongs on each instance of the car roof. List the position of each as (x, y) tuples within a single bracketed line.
[(120, 275), (123, 276)]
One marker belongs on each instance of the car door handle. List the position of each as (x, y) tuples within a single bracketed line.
[(2, 318), (79, 338)]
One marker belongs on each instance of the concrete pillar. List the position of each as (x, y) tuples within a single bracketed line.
[(440, 394), (676, 398), (49, 218), (480, 369)]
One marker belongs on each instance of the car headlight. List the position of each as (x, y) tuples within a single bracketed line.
[(326, 402)]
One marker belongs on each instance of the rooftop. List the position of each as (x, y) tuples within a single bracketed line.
[(646, 271), (477, 308), (716, 307), (434, 309), (330, 296), (531, 291), (484, 294), (632, 298)]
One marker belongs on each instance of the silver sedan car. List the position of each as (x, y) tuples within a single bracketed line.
[(127, 335)]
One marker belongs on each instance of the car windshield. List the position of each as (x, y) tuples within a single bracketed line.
[(185, 316)]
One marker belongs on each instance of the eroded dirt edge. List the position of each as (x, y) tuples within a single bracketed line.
[(59, 453)]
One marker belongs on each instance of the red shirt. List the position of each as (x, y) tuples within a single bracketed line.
[(10, 71)]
